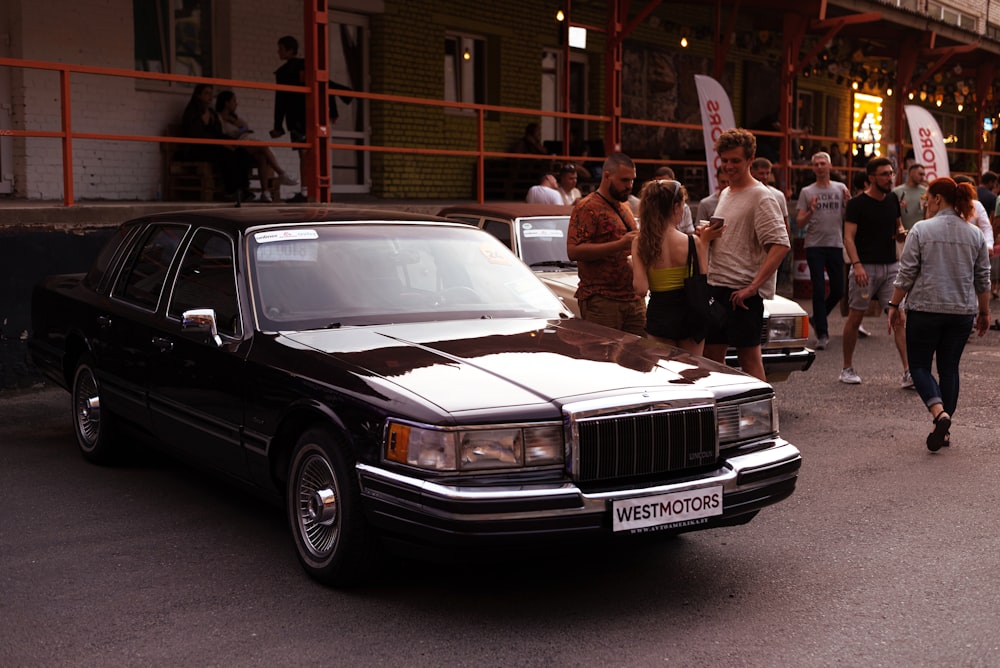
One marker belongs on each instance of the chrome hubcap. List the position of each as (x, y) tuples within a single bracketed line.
[(88, 404), (323, 506), (317, 506)]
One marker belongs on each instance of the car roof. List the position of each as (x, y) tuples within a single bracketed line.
[(507, 209), (243, 218)]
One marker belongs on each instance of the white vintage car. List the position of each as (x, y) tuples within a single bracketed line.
[(537, 234)]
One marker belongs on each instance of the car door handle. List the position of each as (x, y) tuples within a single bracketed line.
[(103, 321), (164, 345)]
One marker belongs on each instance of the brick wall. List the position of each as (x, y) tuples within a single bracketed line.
[(408, 59)]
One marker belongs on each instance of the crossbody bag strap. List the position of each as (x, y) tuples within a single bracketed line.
[(628, 228), (694, 266)]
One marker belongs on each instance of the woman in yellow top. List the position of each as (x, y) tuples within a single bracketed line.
[(660, 265)]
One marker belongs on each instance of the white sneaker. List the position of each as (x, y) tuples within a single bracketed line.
[(863, 333), (848, 376), (265, 197), (907, 382), (287, 180), (822, 342)]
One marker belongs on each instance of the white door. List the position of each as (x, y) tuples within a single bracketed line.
[(350, 171)]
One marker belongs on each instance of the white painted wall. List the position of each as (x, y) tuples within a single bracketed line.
[(99, 33)]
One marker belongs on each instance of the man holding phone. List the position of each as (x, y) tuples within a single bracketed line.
[(746, 257)]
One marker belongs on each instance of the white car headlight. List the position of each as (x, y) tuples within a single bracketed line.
[(474, 449), (753, 419), (784, 328)]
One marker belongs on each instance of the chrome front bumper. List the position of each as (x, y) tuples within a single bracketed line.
[(779, 362), (444, 513)]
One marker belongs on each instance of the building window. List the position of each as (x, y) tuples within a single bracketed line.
[(173, 37), (951, 16), (465, 69)]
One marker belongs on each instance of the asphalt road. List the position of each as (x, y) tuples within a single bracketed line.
[(887, 555)]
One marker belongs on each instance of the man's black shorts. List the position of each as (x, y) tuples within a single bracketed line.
[(741, 328)]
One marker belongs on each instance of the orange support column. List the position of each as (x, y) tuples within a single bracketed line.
[(906, 65), (985, 72), (67, 139), (613, 77), (317, 178), (794, 32)]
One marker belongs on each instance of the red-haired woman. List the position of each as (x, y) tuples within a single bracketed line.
[(944, 273)]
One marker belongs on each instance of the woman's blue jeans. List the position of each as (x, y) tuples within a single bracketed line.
[(832, 260), (944, 335)]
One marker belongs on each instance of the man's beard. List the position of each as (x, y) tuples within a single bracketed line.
[(884, 191), (620, 195)]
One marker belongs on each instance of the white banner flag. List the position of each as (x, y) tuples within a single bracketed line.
[(928, 142), (716, 118)]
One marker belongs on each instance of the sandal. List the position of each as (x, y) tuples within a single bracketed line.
[(935, 439)]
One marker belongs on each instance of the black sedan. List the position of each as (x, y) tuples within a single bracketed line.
[(385, 375)]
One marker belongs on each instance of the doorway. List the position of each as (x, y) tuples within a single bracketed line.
[(350, 171), (552, 74)]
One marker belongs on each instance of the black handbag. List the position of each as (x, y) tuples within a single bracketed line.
[(699, 293)]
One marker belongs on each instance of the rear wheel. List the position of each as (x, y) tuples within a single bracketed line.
[(94, 427), (328, 526)]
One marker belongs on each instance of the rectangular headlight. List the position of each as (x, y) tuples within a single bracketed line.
[(480, 449), (752, 419), (786, 328)]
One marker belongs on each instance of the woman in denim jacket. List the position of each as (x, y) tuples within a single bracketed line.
[(944, 273)]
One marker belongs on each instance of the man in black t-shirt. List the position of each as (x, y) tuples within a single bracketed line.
[(872, 225)]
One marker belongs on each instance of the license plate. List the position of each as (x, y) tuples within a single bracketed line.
[(666, 510)]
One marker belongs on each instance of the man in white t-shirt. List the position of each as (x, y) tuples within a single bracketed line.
[(821, 209), (546, 192), (567, 179), (744, 260)]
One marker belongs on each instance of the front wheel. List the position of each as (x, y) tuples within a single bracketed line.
[(93, 425), (331, 537)]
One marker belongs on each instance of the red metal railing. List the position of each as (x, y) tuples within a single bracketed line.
[(67, 135)]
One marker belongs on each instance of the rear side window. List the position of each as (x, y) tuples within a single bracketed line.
[(146, 267), (501, 230), (99, 269)]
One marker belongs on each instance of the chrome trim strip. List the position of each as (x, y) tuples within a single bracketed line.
[(780, 452)]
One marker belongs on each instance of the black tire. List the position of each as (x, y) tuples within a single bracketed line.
[(94, 427), (332, 539)]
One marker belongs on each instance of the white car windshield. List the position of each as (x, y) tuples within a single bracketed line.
[(543, 243), (333, 275)]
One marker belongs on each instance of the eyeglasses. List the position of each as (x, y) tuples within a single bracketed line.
[(889, 173)]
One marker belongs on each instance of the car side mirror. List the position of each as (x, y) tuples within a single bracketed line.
[(201, 321)]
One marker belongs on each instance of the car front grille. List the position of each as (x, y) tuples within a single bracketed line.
[(637, 444)]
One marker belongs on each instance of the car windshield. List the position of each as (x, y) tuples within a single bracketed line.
[(543, 243), (334, 275)]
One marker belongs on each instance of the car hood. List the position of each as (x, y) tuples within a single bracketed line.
[(477, 365)]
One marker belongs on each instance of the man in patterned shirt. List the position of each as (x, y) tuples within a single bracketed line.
[(601, 230)]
